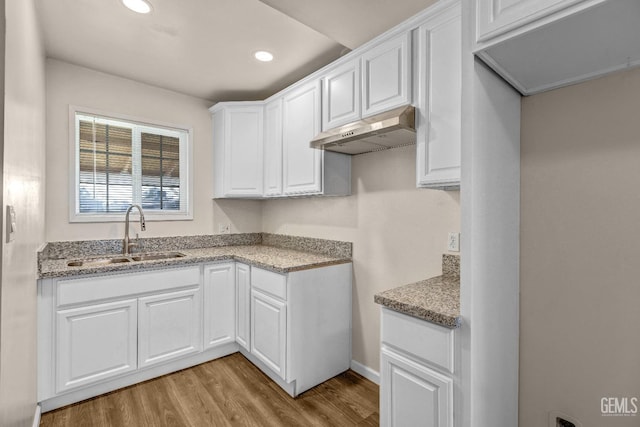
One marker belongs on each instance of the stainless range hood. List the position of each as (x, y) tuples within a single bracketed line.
[(393, 128)]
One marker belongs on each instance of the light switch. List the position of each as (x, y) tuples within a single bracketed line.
[(11, 224)]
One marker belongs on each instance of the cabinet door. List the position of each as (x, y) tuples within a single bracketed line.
[(301, 122), (219, 305), (440, 101), (243, 305), (498, 17), (341, 95), (169, 326), (386, 74), (242, 151), (95, 343), (273, 148), (412, 394), (269, 331)]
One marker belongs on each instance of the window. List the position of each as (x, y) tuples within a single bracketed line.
[(119, 162)]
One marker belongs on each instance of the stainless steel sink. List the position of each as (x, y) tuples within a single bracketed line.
[(157, 256), (97, 262)]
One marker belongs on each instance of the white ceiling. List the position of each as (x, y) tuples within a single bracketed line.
[(350, 22), (204, 47)]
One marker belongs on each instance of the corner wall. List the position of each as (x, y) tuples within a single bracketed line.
[(23, 188), (580, 250), (399, 233)]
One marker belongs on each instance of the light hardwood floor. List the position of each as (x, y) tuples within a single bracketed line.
[(229, 391)]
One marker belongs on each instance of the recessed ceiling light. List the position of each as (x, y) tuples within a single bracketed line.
[(140, 6), (263, 55)]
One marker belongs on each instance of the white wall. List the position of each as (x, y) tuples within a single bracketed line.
[(399, 233), (580, 250), (72, 85), (23, 187)]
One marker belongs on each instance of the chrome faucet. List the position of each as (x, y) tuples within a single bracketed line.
[(126, 244)]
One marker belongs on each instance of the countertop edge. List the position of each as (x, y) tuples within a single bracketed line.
[(188, 260), (432, 316), (424, 312)]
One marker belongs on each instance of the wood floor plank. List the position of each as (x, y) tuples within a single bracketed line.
[(352, 395), (229, 391)]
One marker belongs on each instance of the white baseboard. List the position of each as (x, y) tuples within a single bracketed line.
[(36, 417), (366, 372)]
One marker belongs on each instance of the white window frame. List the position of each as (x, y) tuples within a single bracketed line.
[(186, 171)]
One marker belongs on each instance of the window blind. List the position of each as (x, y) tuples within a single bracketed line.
[(160, 172), (105, 167), (121, 163)]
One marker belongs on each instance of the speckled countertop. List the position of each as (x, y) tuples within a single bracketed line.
[(436, 300), (282, 258)]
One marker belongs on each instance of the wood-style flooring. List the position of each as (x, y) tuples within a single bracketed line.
[(229, 391)]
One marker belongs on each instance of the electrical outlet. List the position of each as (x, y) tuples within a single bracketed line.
[(453, 242), (224, 228)]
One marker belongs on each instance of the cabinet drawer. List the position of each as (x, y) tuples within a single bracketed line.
[(74, 291), (269, 282), (429, 342)]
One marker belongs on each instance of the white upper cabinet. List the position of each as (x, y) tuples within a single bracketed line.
[(539, 45), (498, 17), (341, 95), (238, 149), (386, 75), (301, 122), (439, 83), (273, 148)]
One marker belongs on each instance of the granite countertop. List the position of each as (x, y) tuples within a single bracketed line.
[(280, 259), (436, 300)]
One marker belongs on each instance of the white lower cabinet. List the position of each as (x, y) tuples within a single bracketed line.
[(219, 304), (301, 325), (269, 331), (243, 305), (413, 394), (95, 343), (102, 332), (99, 333), (168, 326), (416, 372)]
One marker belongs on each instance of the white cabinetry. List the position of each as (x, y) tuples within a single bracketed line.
[(273, 148), (103, 332), (538, 45), (341, 95), (307, 171), (243, 305), (168, 326), (261, 149), (219, 304), (269, 331), (301, 325), (238, 149), (498, 17), (439, 84), (417, 367), (377, 80), (95, 342), (300, 123), (99, 333), (386, 75)]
